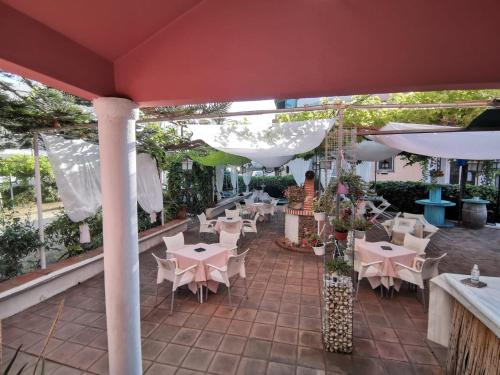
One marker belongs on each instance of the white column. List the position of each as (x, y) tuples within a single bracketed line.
[(38, 194), (116, 126)]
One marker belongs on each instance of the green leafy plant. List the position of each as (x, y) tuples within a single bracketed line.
[(17, 239), (361, 224), (321, 204), (341, 225), (314, 240), (339, 266)]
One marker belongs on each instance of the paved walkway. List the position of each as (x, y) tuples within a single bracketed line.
[(276, 331)]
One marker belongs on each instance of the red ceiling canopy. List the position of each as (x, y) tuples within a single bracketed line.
[(187, 51)]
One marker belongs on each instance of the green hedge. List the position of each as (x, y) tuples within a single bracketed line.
[(275, 185), (404, 194)]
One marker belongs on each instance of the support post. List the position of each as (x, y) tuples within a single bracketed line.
[(162, 213), (39, 207), (116, 127)]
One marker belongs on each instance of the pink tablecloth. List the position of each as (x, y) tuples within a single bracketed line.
[(231, 225), (214, 254), (373, 252)]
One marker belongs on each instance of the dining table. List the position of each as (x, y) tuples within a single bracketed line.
[(389, 254), (201, 254)]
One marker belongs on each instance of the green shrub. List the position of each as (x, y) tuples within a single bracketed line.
[(275, 185), (404, 194), (17, 240)]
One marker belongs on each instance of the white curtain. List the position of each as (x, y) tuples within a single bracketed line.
[(364, 170), (298, 167), (469, 145), (77, 170), (234, 178), (270, 144), (247, 177), (149, 193), (219, 179)]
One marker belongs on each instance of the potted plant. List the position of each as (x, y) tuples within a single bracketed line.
[(320, 207), (361, 225), (295, 195), (182, 212), (317, 245), (341, 227), (338, 267)]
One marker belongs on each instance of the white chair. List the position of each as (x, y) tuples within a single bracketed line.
[(376, 212), (169, 270), (428, 227), (174, 242), (250, 225), (206, 226), (229, 241), (416, 244), (419, 274), (267, 209), (402, 225), (232, 213), (243, 210), (235, 266), (372, 269)]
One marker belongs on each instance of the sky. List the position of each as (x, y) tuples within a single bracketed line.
[(253, 106)]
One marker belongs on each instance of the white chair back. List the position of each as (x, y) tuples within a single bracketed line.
[(228, 239), (430, 267), (416, 244), (202, 218), (174, 242), (248, 202), (166, 269), (402, 224), (232, 213), (231, 227), (236, 264)]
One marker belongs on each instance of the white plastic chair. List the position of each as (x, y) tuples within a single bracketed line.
[(416, 244), (174, 242), (243, 210), (402, 225), (418, 275), (250, 225), (168, 270), (372, 269), (428, 227), (206, 226), (232, 213), (229, 241), (376, 211), (235, 266)]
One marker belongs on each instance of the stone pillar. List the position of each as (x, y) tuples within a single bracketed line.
[(116, 125)]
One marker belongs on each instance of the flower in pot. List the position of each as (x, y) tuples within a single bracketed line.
[(320, 207), (295, 195), (317, 245), (435, 174), (361, 225), (341, 227)]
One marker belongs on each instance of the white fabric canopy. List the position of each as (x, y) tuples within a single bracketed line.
[(219, 179), (298, 167), (77, 170), (469, 145), (271, 145), (149, 193), (374, 151), (247, 176)]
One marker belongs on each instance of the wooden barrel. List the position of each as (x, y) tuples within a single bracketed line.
[(474, 215)]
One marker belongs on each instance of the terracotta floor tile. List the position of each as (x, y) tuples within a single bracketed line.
[(209, 340), (384, 334), (251, 366), (64, 351), (364, 347), (197, 321), (177, 319), (262, 331), (309, 371), (258, 349), (309, 357), (372, 366), (286, 335), (311, 339), (275, 368), (420, 354), (411, 337), (164, 332), (233, 344), (266, 317), (270, 305), (289, 308), (85, 358), (224, 312), (198, 359), (186, 336), (281, 352), (389, 350), (151, 348), (218, 324), (239, 327), (310, 324), (101, 366), (398, 368), (246, 314), (158, 369), (310, 311), (224, 364), (173, 354)]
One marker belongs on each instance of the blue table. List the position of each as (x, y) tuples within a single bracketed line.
[(434, 207)]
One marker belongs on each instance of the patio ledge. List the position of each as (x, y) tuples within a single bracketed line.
[(24, 291)]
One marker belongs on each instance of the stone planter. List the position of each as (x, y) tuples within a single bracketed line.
[(338, 313), (359, 234), (320, 250), (319, 216)]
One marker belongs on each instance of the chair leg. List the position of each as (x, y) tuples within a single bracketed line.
[(246, 287), (229, 294), (206, 295), (423, 299), (172, 303)]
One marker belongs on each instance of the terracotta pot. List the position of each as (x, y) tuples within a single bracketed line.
[(341, 236), (182, 213)]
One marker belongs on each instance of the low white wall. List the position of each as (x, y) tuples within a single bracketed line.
[(227, 203), (31, 293)]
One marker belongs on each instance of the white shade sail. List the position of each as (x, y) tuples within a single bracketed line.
[(298, 167), (149, 193), (77, 170), (469, 145), (374, 151), (271, 145)]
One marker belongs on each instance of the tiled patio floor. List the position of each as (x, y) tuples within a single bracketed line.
[(276, 331)]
